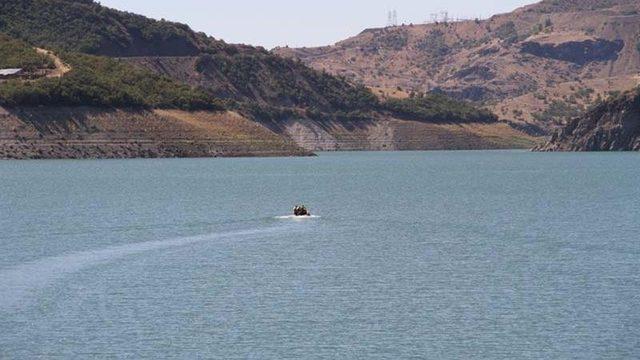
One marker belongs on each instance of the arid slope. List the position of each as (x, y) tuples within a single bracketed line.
[(542, 63)]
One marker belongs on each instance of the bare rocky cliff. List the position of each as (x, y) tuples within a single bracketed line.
[(611, 126)]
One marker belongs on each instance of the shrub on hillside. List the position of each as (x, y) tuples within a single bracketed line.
[(99, 81), (434, 43), (437, 108), (507, 32), (86, 26), (17, 54), (283, 82), (558, 111), (393, 39)]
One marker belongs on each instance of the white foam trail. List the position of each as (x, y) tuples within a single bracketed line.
[(293, 217), (20, 282)]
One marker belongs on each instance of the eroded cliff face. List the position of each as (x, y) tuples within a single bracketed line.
[(611, 126)]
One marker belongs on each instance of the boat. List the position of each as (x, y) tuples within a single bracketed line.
[(301, 210)]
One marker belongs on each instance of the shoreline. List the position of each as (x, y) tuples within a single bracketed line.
[(98, 133)]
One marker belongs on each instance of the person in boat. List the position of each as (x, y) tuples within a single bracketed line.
[(301, 210)]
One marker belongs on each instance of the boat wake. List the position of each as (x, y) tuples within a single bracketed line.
[(293, 217), (21, 282)]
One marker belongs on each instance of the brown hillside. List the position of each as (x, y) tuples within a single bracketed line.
[(542, 63)]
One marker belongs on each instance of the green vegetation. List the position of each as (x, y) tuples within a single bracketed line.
[(558, 111), (98, 81), (17, 54), (249, 79), (438, 108), (288, 86), (241, 73), (259, 76), (86, 26)]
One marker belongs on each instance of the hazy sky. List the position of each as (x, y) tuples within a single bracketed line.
[(299, 23)]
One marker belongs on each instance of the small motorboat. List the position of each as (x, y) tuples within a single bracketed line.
[(301, 210)]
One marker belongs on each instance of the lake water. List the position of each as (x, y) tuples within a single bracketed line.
[(437, 255)]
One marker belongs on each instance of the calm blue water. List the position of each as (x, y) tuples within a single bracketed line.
[(440, 255)]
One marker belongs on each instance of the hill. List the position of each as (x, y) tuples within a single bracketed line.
[(239, 73), (86, 26), (98, 81), (126, 61), (540, 64), (73, 105), (613, 125)]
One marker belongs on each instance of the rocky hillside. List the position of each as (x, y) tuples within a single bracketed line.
[(541, 64), (613, 125), (118, 60)]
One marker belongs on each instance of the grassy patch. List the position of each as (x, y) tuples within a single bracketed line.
[(17, 54)]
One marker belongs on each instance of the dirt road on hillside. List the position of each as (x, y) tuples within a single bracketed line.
[(60, 67)]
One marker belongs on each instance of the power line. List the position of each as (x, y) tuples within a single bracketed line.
[(446, 17), (392, 18)]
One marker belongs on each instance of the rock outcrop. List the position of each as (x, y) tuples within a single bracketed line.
[(578, 52), (611, 126)]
